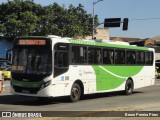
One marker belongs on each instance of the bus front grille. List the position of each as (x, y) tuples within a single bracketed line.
[(26, 90)]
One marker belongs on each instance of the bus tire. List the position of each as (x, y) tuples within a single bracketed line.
[(75, 93), (129, 87)]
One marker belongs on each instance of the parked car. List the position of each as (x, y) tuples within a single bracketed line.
[(157, 71), (6, 71)]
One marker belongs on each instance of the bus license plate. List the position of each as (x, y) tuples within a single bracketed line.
[(25, 91)]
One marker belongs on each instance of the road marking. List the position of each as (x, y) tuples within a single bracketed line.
[(117, 108)]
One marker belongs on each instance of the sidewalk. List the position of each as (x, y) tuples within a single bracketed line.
[(7, 88)]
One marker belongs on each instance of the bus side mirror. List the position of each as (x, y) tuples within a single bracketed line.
[(9, 56)]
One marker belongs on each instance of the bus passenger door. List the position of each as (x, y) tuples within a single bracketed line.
[(61, 66), (59, 88)]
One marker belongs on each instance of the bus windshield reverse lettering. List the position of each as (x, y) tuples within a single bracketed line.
[(31, 42)]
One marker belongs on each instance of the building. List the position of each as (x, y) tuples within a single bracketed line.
[(148, 42), (101, 33)]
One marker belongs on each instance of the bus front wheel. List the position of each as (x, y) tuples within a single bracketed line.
[(129, 87), (75, 93)]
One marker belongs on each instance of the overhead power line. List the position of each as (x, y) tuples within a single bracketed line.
[(138, 19), (144, 19)]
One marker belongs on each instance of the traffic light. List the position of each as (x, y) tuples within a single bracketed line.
[(112, 22), (125, 24)]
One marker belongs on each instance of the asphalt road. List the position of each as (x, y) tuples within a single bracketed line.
[(144, 99)]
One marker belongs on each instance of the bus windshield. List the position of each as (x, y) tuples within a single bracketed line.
[(32, 61)]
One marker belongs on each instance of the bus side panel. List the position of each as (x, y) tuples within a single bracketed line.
[(144, 78), (110, 78), (83, 73), (149, 77), (113, 78), (59, 89)]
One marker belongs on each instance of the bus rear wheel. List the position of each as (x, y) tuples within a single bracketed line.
[(129, 87), (75, 93)]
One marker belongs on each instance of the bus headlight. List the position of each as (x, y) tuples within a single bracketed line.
[(45, 84)]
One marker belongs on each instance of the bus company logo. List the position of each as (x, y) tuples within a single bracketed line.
[(88, 72), (6, 114)]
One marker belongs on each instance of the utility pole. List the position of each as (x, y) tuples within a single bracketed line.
[(93, 18)]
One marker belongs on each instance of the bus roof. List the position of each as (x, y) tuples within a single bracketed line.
[(107, 43)]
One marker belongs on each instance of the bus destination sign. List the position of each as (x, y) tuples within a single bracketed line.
[(31, 42)]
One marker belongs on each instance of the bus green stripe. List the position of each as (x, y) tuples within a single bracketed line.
[(85, 42), (27, 84), (113, 76)]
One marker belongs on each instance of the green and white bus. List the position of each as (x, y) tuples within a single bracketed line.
[(52, 66)]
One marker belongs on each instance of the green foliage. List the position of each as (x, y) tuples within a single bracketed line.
[(24, 17)]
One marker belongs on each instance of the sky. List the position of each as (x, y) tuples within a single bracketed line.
[(144, 16)]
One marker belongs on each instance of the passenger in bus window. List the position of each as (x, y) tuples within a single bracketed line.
[(99, 57), (131, 58), (111, 57)]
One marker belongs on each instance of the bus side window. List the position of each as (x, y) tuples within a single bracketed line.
[(56, 59), (149, 58), (131, 57), (61, 59), (119, 56), (111, 56), (90, 56), (94, 55), (140, 57), (99, 56), (108, 56), (79, 55)]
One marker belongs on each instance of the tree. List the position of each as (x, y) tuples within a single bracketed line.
[(19, 18), (52, 20), (24, 17)]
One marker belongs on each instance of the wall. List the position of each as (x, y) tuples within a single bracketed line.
[(102, 33)]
